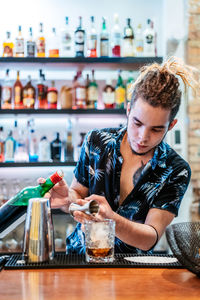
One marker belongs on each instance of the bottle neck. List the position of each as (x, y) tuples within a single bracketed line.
[(46, 186)]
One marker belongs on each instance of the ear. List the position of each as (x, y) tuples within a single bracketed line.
[(128, 108), (172, 124)]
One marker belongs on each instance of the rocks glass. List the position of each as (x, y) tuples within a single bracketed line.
[(99, 241)]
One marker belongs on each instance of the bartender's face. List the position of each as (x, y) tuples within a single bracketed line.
[(147, 126)]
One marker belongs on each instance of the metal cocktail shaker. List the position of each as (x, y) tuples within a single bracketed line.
[(39, 236)]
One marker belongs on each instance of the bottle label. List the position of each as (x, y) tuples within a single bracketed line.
[(9, 150), (17, 93), (120, 95), (149, 39), (7, 49), (104, 48), (128, 47), (6, 94), (79, 47), (44, 151), (92, 93), (109, 98), (92, 42), (41, 46), (139, 45), (29, 100), (66, 41), (30, 48), (54, 53), (116, 39), (79, 37), (52, 97), (19, 46), (80, 93)]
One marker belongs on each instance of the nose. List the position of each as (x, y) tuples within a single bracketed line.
[(143, 135)]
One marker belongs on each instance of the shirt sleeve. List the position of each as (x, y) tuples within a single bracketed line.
[(170, 196), (81, 171)]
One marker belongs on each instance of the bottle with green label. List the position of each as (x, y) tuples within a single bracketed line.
[(120, 92), (16, 207), (129, 87)]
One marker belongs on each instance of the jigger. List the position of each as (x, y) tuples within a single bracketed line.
[(90, 208), (38, 235)]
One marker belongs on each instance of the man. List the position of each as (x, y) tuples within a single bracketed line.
[(137, 179)]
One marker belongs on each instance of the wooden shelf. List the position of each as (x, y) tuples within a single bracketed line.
[(37, 164), (107, 63), (64, 111)]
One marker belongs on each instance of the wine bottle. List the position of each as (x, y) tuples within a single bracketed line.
[(16, 207)]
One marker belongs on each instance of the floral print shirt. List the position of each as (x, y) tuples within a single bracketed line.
[(162, 183)]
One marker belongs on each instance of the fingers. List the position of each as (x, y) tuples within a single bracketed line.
[(82, 217)]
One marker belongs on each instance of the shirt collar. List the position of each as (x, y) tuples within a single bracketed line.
[(160, 155)]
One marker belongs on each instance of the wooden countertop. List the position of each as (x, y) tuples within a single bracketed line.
[(99, 283)]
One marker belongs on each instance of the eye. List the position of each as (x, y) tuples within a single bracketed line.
[(157, 129), (137, 124)]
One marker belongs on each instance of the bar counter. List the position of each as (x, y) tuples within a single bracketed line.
[(99, 283)]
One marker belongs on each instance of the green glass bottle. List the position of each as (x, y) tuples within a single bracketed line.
[(14, 208)]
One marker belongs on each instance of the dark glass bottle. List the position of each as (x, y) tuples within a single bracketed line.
[(16, 207), (79, 39), (56, 146)]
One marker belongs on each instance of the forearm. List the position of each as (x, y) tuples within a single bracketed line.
[(138, 235)]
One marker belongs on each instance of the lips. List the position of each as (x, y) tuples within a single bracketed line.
[(141, 147)]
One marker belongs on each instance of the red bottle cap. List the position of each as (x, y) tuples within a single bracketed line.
[(57, 176)]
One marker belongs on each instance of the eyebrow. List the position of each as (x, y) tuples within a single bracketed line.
[(157, 126)]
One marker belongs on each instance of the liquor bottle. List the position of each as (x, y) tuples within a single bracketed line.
[(79, 36), (129, 87), (44, 149), (56, 146), (1, 145), (139, 43), (66, 49), (16, 207), (30, 44), (149, 39), (92, 40), (33, 146), (52, 96), (80, 91), (40, 43), (92, 92), (19, 44), (53, 44), (10, 145), (41, 92), (8, 46), (120, 92), (29, 94), (109, 95), (104, 40), (21, 152), (18, 102), (68, 144), (116, 38), (6, 98), (128, 40)]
